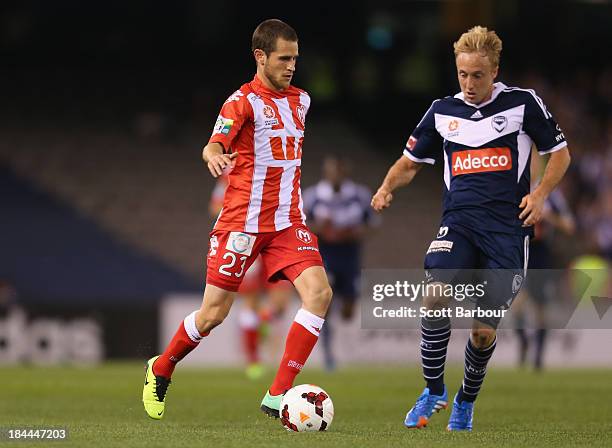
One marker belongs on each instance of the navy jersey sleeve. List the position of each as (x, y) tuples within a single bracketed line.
[(541, 126), (424, 144)]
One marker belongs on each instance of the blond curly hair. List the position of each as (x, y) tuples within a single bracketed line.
[(480, 40)]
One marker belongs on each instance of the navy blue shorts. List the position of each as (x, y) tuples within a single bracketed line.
[(343, 267), (461, 255), (543, 281)]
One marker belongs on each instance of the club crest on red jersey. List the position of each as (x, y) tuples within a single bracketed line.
[(300, 111), (303, 235)]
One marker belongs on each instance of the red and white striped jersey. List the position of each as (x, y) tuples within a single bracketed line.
[(266, 128)]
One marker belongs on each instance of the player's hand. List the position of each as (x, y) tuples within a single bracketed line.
[(381, 200), (532, 205), (219, 162)]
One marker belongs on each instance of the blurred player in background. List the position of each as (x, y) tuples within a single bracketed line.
[(259, 132), (338, 211), (255, 312), (483, 136), (543, 283)]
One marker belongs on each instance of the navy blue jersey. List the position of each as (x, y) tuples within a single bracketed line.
[(486, 150), (346, 208)]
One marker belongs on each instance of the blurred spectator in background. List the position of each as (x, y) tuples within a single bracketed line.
[(588, 188), (338, 211), (584, 101), (583, 98), (545, 278)]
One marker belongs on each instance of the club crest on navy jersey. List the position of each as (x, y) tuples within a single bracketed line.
[(499, 123)]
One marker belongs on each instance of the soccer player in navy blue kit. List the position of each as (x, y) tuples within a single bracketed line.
[(483, 137)]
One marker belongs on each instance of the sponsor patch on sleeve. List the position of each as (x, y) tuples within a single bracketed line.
[(411, 143), (223, 125)]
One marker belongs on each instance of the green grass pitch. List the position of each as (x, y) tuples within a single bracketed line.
[(216, 408)]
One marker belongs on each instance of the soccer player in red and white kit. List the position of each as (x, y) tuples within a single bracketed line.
[(260, 131)]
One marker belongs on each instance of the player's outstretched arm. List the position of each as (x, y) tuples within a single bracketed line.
[(533, 203), (401, 173), (216, 160)]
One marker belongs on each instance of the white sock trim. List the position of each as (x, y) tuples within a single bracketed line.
[(309, 321), (191, 329)]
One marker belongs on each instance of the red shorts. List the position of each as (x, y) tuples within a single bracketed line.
[(255, 280), (284, 255)]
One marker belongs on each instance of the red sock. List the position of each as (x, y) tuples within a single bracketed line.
[(302, 337), (250, 339), (186, 338)]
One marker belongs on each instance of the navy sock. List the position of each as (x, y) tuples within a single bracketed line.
[(435, 334), (475, 370)]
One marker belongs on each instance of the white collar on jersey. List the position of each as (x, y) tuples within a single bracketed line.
[(326, 192), (497, 88)]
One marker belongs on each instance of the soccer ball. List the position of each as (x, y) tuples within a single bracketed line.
[(306, 408)]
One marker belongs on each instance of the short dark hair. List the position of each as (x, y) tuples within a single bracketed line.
[(267, 33)]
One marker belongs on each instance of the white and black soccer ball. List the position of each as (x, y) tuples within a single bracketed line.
[(306, 408)]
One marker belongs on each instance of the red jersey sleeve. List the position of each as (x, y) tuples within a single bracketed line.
[(235, 112)]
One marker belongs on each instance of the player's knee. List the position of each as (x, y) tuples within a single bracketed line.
[(206, 321), (483, 337), (324, 295), (432, 302), (319, 297)]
